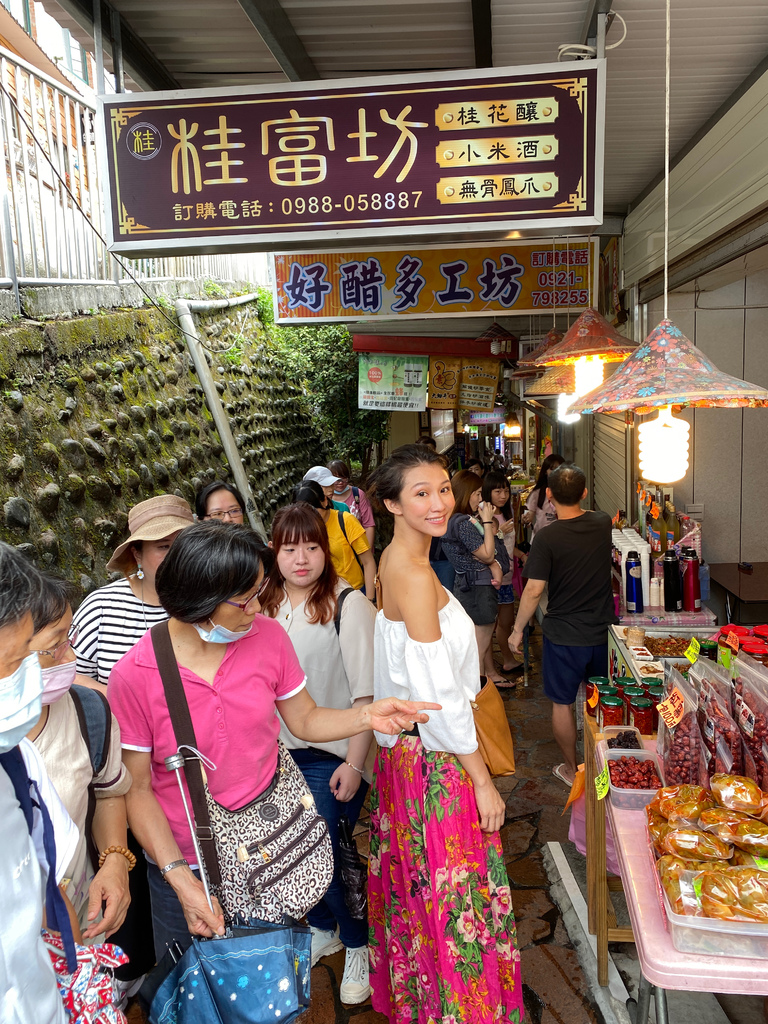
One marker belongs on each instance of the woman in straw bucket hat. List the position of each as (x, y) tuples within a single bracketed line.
[(104, 628), (115, 617)]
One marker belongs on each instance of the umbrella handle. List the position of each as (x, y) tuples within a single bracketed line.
[(175, 763)]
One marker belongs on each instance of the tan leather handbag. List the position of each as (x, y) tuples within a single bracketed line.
[(494, 739)]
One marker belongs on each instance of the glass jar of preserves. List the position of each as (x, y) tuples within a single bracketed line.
[(593, 692), (620, 682), (641, 715), (610, 711), (708, 649), (761, 632), (629, 693)]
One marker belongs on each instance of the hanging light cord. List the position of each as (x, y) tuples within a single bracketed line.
[(667, 63)]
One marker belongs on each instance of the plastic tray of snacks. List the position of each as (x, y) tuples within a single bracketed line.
[(651, 670), (710, 936), (641, 653), (614, 730), (631, 799)]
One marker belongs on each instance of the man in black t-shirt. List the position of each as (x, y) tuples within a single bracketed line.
[(572, 557)]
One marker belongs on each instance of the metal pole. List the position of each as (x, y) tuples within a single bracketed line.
[(117, 49), (175, 763), (220, 418), (98, 40)]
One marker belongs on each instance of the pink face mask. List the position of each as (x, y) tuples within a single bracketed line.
[(57, 680)]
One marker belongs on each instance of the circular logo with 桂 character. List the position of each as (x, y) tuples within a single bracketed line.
[(143, 140)]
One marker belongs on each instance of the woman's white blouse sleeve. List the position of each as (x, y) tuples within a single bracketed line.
[(431, 678)]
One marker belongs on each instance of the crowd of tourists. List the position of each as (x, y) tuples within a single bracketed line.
[(292, 663)]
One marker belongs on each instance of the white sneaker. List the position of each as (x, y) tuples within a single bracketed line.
[(355, 986), (324, 943)]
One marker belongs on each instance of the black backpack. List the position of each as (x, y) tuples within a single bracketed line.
[(95, 720)]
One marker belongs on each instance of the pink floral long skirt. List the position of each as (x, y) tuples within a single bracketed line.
[(442, 930)]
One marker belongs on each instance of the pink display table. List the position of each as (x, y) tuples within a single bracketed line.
[(663, 967)]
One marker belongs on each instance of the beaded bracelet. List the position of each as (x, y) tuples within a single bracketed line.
[(130, 857), (350, 765)]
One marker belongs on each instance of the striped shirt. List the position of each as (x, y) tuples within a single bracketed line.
[(109, 622)]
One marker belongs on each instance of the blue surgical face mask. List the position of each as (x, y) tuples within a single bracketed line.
[(220, 634), (20, 702)]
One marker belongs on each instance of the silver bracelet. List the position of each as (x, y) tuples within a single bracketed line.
[(349, 764), (183, 863)]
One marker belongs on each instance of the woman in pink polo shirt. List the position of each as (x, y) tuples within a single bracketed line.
[(236, 668)]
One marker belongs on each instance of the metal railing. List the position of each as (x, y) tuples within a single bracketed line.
[(45, 239)]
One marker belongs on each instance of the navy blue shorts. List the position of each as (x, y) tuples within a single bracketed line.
[(564, 668)]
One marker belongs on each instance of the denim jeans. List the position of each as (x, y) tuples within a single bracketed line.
[(168, 919), (444, 572), (332, 910)]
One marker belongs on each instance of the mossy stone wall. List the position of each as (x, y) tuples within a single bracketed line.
[(101, 412)]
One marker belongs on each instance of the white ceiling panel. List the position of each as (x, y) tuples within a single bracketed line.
[(714, 48)]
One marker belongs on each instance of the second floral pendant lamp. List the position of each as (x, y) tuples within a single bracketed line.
[(667, 370)]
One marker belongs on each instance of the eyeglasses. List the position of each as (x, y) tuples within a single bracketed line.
[(246, 606), (59, 649), (229, 513)]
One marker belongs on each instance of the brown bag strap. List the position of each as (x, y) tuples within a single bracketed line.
[(184, 731)]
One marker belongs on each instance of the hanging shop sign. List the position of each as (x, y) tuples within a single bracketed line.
[(435, 281), (389, 382), (463, 383), (444, 376), (494, 417), (241, 169), (478, 384)]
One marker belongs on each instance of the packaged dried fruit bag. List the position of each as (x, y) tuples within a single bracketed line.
[(738, 793), (693, 844), (720, 735), (750, 711), (680, 745), (720, 820), (706, 676), (750, 836), (731, 894)]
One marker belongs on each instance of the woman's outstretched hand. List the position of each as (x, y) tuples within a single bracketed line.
[(392, 716)]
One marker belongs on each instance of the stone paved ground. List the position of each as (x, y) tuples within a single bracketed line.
[(554, 986)]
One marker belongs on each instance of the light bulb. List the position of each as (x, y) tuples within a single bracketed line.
[(664, 448), (563, 401), (589, 374)]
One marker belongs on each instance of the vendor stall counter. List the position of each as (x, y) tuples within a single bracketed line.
[(663, 967)]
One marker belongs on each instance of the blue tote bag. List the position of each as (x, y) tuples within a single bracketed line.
[(254, 976)]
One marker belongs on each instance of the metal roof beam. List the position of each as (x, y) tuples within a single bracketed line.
[(142, 65), (272, 23), (589, 29), (482, 30)]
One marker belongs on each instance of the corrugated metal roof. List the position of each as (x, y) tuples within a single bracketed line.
[(714, 48)]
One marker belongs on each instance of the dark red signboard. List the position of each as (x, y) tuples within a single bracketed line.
[(370, 159)]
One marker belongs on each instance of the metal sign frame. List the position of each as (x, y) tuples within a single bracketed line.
[(490, 226)]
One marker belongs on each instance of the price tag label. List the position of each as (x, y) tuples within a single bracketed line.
[(594, 697), (672, 709), (602, 783), (732, 639), (762, 863), (692, 654)]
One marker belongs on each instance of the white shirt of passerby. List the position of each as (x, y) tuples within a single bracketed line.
[(28, 992), (65, 830)]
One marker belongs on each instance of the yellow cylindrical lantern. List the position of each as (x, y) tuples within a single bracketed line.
[(563, 401), (590, 372), (664, 448)]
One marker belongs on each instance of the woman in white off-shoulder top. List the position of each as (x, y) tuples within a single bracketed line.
[(442, 938)]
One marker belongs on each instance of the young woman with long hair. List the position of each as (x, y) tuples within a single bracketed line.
[(442, 936), (540, 511), (335, 649), (496, 493), (470, 544)]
